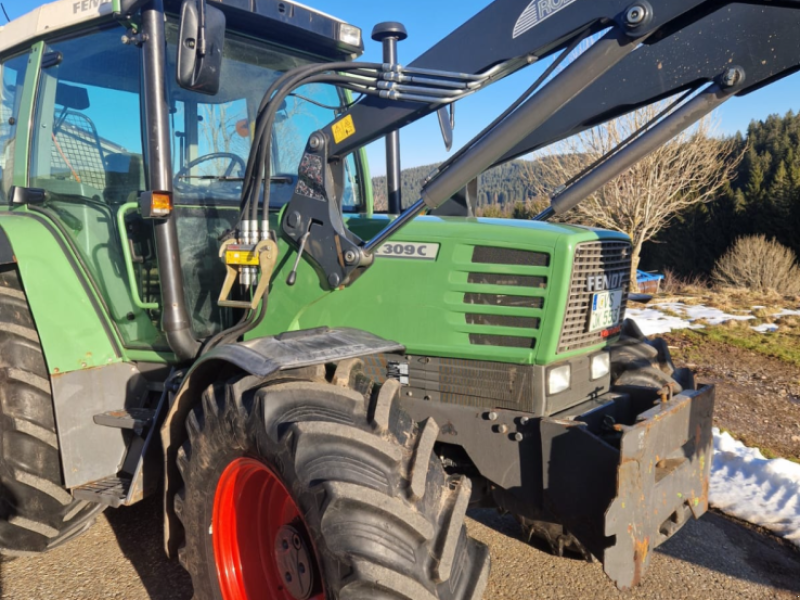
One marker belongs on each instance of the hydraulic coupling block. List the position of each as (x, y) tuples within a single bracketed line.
[(247, 263)]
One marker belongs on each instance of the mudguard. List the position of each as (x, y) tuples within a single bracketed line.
[(260, 357), (70, 321)]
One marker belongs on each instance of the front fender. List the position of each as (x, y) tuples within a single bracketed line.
[(260, 357)]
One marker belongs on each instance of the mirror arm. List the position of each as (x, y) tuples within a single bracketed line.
[(201, 33)]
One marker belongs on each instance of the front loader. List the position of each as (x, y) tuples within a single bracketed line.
[(197, 298)]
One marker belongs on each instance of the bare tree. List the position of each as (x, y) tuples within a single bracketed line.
[(688, 170)]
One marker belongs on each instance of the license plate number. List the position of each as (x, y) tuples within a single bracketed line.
[(605, 310)]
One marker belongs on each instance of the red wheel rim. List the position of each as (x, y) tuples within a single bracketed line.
[(253, 511)]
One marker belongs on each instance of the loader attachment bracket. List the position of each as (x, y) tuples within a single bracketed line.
[(313, 218), (648, 475)]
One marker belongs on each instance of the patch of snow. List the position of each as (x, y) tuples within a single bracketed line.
[(758, 306), (713, 316), (787, 313), (765, 328), (653, 322), (750, 487)]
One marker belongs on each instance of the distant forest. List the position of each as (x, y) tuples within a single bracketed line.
[(505, 184), (763, 198)]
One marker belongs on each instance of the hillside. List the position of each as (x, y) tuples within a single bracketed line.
[(503, 184)]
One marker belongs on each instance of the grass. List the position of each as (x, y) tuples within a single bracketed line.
[(783, 344)]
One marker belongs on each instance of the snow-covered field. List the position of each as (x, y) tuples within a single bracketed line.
[(750, 487), (744, 484), (668, 316)]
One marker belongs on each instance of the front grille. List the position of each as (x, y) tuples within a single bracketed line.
[(491, 260), (475, 383), (609, 258)]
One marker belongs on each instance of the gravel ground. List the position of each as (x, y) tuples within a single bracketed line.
[(714, 558)]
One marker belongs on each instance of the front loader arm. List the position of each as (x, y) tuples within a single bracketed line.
[(760, 39), (650, 50), (507, 35)]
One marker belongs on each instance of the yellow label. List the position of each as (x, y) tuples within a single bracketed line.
[(343, 129), (236, 257)]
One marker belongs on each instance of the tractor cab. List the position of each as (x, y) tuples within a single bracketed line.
[(89, 155)]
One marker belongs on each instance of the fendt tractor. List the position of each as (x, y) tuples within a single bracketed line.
[(198, 300)]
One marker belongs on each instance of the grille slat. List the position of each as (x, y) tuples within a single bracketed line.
[(592, 259), (503, 321), (504, 300), (504, 279), (493, 255), (506, 341)]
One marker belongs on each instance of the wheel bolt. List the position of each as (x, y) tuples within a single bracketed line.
[(288, 577), (285, 544), (302, 568)]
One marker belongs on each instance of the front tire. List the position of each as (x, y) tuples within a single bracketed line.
[(355, 480)]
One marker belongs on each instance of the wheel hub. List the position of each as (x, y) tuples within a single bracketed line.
[(293, 560), (259, 537)]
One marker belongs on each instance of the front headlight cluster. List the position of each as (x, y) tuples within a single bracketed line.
[(559, 379), (601, 365)]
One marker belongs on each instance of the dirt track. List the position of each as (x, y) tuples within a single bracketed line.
[(714, 558)]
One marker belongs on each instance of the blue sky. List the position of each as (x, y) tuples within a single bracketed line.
[(427, 22)]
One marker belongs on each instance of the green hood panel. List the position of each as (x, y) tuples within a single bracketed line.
[(429, 306)]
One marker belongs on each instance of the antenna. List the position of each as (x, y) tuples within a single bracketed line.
[(4, 12)]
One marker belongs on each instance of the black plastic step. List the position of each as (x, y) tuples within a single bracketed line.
[(111, 491), (137, 419)]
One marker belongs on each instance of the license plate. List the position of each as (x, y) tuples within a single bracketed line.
[(605, 310)]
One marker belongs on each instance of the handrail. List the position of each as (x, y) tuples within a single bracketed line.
[(126, 253)]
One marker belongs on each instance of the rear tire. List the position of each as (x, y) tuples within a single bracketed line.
[(379, 515), (36, 512)]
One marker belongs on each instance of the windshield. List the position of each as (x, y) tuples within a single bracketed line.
[(211, 135)]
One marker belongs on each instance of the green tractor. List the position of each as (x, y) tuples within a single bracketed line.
[(198, 299)]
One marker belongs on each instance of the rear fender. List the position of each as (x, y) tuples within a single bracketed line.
[(261, 358), (70, 319)]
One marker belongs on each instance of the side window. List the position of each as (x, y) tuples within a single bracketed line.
[(308, 109), (87, 154), (13, 77), (89, 139)]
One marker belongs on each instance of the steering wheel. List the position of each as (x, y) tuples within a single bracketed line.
[(234, 158)]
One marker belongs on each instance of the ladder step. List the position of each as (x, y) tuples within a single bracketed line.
[(137, 419), (111, 491)]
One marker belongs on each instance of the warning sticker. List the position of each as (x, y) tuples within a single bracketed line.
[(343, 129)]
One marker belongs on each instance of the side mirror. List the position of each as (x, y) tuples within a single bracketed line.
[(200, 40)]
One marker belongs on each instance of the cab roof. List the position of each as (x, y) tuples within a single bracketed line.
[(283, 21)]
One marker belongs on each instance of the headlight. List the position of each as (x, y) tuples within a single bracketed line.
[(350, 34), (601, 365), (558, 379)]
